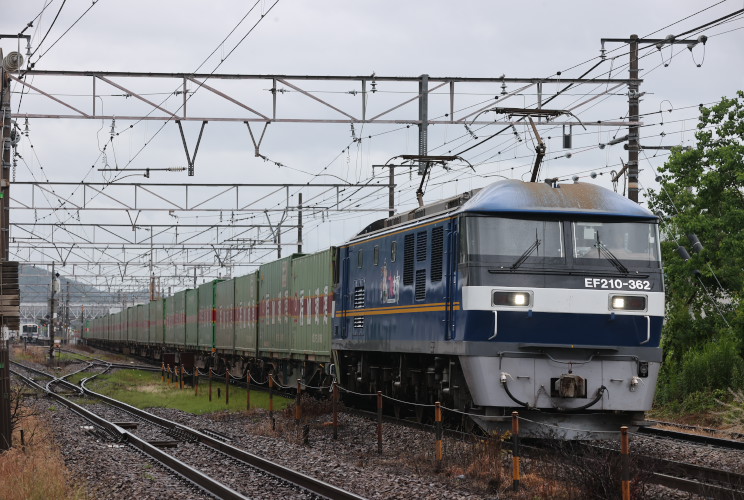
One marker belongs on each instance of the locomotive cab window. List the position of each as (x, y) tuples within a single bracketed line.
[(601, 243), (360, 258), (512, 242)]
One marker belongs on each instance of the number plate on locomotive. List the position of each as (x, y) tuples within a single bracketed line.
[(617, 284)]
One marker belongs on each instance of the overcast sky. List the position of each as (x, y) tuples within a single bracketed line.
[(389, 38)]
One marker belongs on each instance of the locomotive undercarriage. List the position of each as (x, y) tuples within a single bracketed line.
[(423, 379)]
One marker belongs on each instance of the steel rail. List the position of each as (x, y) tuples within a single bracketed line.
[(667, 473), (194, 476), (696, 479), (693, 438), (690, 478), (307, 483), (734, 435)]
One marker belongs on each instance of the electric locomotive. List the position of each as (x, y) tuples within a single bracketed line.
[(542, 298)]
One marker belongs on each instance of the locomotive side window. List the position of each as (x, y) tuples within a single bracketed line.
[(360, 258), (376, 255), (393, 251)]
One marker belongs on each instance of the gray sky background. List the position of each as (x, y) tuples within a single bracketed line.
[(390, 38)]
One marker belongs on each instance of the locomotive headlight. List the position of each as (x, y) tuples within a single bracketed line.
[(628, 302), (515, 299)]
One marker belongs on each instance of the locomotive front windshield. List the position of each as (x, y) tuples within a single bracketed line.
[(514, 242), (632, 242)]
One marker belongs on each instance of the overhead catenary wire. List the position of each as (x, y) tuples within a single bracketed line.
[(290, 167)]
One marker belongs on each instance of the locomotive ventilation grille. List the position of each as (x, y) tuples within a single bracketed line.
[(408, 260), (421, 246), (437, 252), (359, 304), (421, 284)]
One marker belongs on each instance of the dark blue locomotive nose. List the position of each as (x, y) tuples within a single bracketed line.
[(514, 282)]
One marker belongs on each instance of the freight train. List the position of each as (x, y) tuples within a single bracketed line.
[(542, 298)]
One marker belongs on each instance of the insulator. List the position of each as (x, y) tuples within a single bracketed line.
[(682, 251), (697, 247)]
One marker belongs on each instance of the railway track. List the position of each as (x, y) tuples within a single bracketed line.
[(119, 434), (709, 482), (693, 438), (696, 479), (266, 473)]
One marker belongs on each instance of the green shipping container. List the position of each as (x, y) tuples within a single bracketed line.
[(113, 327), (170, 314), (143, 315), (246, 313), (225, 327), (275, 321), (312, 284), (192, 324), (179, 318), (157, 323), (131, 331), (207, 315), (121, 326)]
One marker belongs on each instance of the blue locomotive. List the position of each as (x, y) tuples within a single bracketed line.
[(545, 298)]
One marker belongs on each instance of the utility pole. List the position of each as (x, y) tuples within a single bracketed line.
[(5, 143), (67, 312), (423, 122), (299, 223), (634, 97), (391, 191), (634, 100), (9, 292), (53, 311)]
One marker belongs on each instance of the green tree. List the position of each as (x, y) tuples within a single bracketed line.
[(702, 193)]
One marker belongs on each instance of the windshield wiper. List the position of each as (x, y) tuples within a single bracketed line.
[(526, 253), (607, 254)]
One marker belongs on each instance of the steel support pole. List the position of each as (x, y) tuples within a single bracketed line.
[(299, 223), (391, 191), (633, 112), (5, 143), (52, 314), (6, 435), (423, 120)]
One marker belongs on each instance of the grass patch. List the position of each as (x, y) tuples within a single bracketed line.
[(144, 389), (37, 472), (32, 353), (76, 378), (69, 356)]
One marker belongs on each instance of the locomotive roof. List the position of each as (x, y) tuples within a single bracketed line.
[(537, 197)]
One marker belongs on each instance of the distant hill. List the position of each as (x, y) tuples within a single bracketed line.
[(35, 283)]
